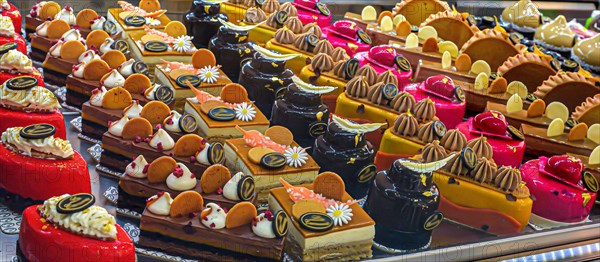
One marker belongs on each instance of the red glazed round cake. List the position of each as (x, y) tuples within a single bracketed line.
[(19, 118), (346, 34)]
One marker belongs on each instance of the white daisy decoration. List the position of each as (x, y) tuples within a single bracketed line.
[(151, 21), (244, 112), (340, 213), (296, 156), (182, 43), (209, 74)]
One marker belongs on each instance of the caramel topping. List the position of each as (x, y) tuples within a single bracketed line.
[(405, 125), (271, 21), (338, 69), (403, 102), (301, 43), (254, 15), (425, 110), (322, 62), (270, 6), (369, 73), (426, 133), (339, 54), (456, 165), (357, 87), (507, 178), (313, 28), (481, 147), (484, 171), (289, 8), (388, 77), (294, 24), (556, 33), (324, 46), (284, 36), (433, 152), (453, 140)]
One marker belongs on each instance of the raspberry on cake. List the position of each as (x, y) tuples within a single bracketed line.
[(49, 231), (16, 64), (9, 37), (130, 18)]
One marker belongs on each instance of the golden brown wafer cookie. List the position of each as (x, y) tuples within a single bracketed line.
[(384, 14), (430, 45), (114, 58), (57, 28), (95, 70), (536, 108), (280, 135), (213, 178), (147, 38), (96, 38), (304, 206), (136, 127), (330, 185), (208, 105), (84, 17), (149, 5), (116, 98), (49, 10), (578, 132), (203, 57), (175, 73), (155, 112), (403, 28), (189, 145), (160, 169), (175, 29), (463, 63), (241, 214), (498, 86), (234, 93), (186, 203), (256, 153), (72, 49), (137, 83)]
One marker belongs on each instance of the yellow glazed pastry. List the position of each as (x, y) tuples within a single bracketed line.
[(523, 16), (587, 52), (556, 35)]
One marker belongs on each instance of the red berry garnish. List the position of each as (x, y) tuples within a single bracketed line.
[(146, 168), (178, 172), (132, 164)]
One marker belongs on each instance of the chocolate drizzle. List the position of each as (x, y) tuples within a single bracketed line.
[(481, 147), (322, 62), (294, 24), (284, 36), (426, 133), (507, 178), (388, 77), (357, 87), (369, 73), (433, 152), (324, 46), (405, 125), (403, 102), (484, 171), (425, 110), (453, 140)]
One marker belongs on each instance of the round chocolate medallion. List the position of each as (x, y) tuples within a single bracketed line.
[(7, 47), (312, 39), (516, 37), (531, 97), (315, 129), (281, 17), (569, 66), (364, 37), (245, 189), (215, 153), (156, 46), (468, 157), (351, 67), (515, 133), (75, 203), (188, 124), (414, 29), (459, 94), (433, 221), (194, 80), (590, 181), (272, 160), (280, 223), (571, 122), (110, 27), (315, 221), (37, 131), (366, 173), (402, 63), (439, 129), (135, 20), (140, 68), (494, 75), (221, 113), (164, 94), (472, 20), (389, 91), (22, 83), (323, 9), (120, 45)]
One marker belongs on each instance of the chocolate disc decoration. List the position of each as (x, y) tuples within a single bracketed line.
[(164, 94), (37, 131), (75, 203), (571, 122), (315, 221), (515, 133), (110, 28), (590, 181), (569, 66), (459, 94), (402, 63), (531, 97), (389, 91), (364, 37), (366, 173), (135, 20), (215, 153), (156, 46), (280, 223), (312, 39), (468, 158), (272, 160), (245, 188), (439, 129), (316, 129), (188, 124), (414, 29), (22, 83), (194, 80), (323, 9), (555, 64), (351, 67), (120, 45), (494, 76), (433, 221), (140, 67), (472, 21), (7, 47), (281, 17), (221, 113)]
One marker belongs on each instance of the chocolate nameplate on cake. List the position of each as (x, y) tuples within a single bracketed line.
[(590, 181), (459, 94), (281, 17), (433, 221), (246, 188), (312, 39), (323, 9), (272, 160), (140, 67), (316, 222), (515, 133), (37, 131), (222, 114), (402, 63), (366, 173), (75, 203), (164, 94), (193, 79), (468, 157), (22, 83), (439, 129), (121, 46), (110, 27), (188, 124), (351, 67), (156, 46), (364, 37), (215, 153), (316, 129), (135, 20), (389, 91), (280, 223)]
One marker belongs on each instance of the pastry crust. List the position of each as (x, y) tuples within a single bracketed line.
[(529, 68), (589, 111), (560, 87)]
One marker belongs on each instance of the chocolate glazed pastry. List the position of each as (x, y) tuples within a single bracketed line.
[(404, 204), (231, 47), (302, 113), (347, 154), (202, 22), (263, 78)]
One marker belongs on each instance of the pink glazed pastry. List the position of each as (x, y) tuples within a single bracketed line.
[(347, 35), (449, 99), (563, 192), (507, 142), (383, 58), (311, 11)]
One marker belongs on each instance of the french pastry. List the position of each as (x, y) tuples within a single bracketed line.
[(203, 73), (202, 21), (556, 36), (231, 46), (559, 182), (523, 16), (403, 201), (266, 76), (588, 112), (319, 213), (55, 23), (209, 231), (66, 219), (16, 64), (219, 116), (276, 16), (10, 38), (269, 157), (417, 11), (62, 56), (539, 114), (586, 52), (347, 35), (38, 15), (448, 98), (129, 18), (34, 150), (531, 69), (556, 139), (558, 88), (301, 110), (343, 149), (23, 102), (384, 59), (12, 12), (313, 11)]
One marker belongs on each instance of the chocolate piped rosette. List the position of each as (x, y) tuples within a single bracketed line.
[(129, 18), (268, 157), (72, 219), (26, 150), (324, 220), (211, 231)]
